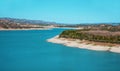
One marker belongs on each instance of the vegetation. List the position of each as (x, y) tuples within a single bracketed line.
[(101, 34)]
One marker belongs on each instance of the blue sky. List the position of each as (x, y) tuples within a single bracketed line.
[(63, 11)]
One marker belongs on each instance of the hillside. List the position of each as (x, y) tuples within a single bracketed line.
[(101, 33), (14, 23)]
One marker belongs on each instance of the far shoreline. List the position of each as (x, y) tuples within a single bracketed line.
[(46, 28), (25, 29), (83, 45)]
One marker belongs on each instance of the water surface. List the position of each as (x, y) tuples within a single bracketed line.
[(29, 51)]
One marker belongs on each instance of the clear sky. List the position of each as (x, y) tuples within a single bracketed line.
[(63, 11)]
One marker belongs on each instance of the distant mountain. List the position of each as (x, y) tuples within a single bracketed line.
[(26, 21), (7, 20), (15, 23)]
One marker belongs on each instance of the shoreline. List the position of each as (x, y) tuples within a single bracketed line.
[(32, 28), (46, 28), (80, 44)]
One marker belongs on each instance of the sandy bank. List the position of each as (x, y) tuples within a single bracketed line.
[(80, 44)]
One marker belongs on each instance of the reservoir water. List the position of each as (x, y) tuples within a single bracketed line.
[(29, 51)]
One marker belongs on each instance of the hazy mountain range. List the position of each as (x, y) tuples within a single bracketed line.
[(26, 21), (41, 22)]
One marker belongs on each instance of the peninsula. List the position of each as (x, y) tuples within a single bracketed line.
[(98, 37)]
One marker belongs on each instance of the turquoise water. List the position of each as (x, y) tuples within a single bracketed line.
[(29, 51)]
